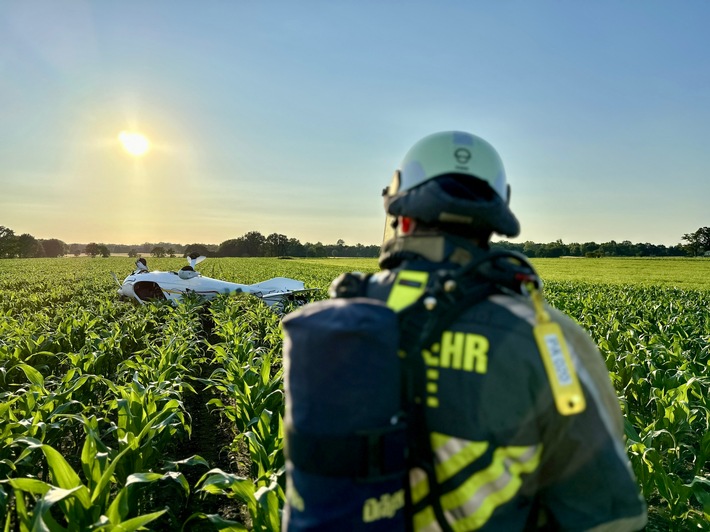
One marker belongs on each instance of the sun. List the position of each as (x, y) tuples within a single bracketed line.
[(134, 143)]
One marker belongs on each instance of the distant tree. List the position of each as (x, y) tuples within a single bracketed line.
[(553, 249), (92, 249), (294, 248), (372, 251), (170, 252), (253, 243), (698, 242), (609, 249), (200, 249), (676, 251), (575, 249), (230, 248), (504, 244), (625, 248), (104, 251), (75, 249), (132, 252), (531, 249), (276, 244), (158, 251), (8, 243), (315, 250), (339, 249), (28, 246), (590, 249), (54, 247)]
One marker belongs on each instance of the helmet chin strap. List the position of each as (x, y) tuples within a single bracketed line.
[(434, 246)]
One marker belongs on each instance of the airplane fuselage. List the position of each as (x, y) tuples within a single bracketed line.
[(144, 286)]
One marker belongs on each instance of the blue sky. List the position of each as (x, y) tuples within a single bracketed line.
[(291, 117)]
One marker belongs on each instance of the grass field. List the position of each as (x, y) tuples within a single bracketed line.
[(167, 417), (690, 273)]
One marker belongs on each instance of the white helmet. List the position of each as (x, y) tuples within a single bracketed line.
[(453, 177)]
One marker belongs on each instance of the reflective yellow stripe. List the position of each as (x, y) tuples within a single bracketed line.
[(406, 289), (482, 493), (456, 455), (438, 440), (425, 520)]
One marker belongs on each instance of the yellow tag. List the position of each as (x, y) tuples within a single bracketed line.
[(566, 389)]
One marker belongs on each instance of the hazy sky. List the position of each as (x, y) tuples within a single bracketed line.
[(291, 117)]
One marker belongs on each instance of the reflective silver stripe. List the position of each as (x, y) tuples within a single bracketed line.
[(622, 525), (470, 505), (424, 520), (419, 484), (453, 454), (517, 306)]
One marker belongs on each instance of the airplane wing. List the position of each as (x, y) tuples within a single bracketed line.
[(279, 284)]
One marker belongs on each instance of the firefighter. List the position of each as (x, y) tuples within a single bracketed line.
[(513, 423)]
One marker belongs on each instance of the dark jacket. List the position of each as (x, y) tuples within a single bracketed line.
[(504, 456)]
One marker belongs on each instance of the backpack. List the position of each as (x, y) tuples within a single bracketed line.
[(346, 438)]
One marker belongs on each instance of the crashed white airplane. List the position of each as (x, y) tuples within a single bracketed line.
[(144, 285)]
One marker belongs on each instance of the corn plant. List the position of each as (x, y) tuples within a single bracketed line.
[(96, 394)]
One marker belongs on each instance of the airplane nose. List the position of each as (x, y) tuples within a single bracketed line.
[(126, 290)]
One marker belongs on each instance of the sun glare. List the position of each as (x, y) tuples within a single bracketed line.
[(135, 144)]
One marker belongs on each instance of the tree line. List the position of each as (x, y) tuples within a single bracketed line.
[(697, 244), (251, 244), (254, 244)]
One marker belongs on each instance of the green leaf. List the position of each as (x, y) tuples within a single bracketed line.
[(4, 407), (43, 520), (119, 508), (631, 434), (219, 522), (217, 481), (179, 478), (62, 473), (30, 485), (268, 518), (137, 522), (21, 511), (216, 402), (107, 474), (34, 376), (700, 487), (191, 461)]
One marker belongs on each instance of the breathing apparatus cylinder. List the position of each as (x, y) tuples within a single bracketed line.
[(345, 448)]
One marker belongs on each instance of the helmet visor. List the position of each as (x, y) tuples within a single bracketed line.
[(390, 229)]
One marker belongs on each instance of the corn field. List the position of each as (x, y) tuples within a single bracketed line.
[(118, 416)]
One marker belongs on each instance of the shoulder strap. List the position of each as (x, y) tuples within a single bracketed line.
[(420, 325), (448, 295), (350, 284)]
